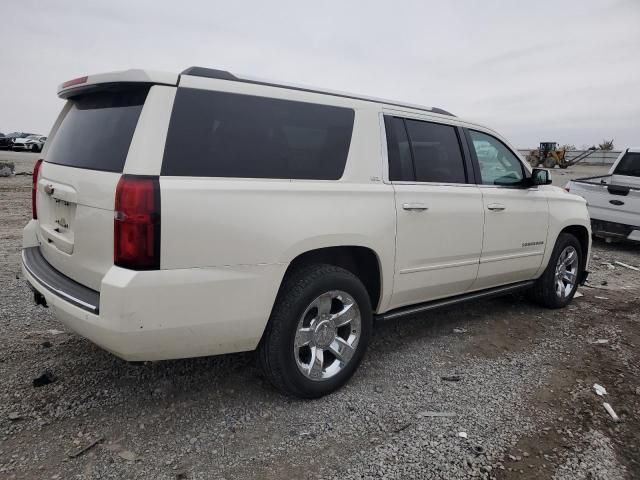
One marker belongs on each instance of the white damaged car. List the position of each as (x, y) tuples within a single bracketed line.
[(31, 143)]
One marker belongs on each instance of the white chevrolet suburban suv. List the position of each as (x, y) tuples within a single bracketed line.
[(206, 213)]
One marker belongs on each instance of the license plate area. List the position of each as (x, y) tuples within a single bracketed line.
[(57, 224)]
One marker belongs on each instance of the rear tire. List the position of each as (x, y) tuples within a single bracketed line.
[(558, 284), (549, 162), (316, 305)]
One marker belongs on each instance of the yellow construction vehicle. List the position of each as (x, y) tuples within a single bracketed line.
[(548, 155)]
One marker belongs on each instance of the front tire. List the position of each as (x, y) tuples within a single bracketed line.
[(559, 282), (318, 331)]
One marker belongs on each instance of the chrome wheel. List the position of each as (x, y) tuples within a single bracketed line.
[(327, 335), (566, 272)]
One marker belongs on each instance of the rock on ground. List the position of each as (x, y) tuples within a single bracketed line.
[(6, 169)]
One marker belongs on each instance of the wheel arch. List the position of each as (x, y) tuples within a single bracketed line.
[(582, 234), (362, 261)]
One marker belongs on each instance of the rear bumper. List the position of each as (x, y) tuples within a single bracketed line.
[(58, 284), (165, 314)]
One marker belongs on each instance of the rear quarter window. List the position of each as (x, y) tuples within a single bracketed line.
[(218, 134), (96, 132)]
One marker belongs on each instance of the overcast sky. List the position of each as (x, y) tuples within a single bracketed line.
[(566, 71)]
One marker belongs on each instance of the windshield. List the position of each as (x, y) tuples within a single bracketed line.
[(33, 137), (629, 165)]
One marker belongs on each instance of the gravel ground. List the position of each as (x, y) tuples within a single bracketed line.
[(599, 461), (519, 386)]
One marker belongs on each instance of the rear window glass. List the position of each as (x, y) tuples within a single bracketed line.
[(217, 134), (629, 165), (97, 130)]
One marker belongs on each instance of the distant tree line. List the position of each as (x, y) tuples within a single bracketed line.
[(604, 145)]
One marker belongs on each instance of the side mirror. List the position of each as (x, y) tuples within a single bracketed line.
[(541, 176)]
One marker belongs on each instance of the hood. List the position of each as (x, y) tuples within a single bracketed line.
[(561, 193)]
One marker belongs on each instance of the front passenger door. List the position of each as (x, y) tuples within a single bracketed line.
[(516, 215)]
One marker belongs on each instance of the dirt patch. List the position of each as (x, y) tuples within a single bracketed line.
[(521, 329), (575, 409)]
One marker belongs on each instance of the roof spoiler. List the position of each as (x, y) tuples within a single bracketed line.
[(75, 86)]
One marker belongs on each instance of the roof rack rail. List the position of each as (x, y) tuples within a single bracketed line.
[(225, 75), (441, 111), (209, 73)]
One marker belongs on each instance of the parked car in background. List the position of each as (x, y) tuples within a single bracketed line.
[(219, 214), (32, 143), (9, 139), (613, 200), (5, 142)]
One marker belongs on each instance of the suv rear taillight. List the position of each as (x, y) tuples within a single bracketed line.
[(136, 224), (34, 188)]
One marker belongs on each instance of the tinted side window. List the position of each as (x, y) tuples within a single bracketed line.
[(96, 132), (498, 165), (629, 165), (217, 134), (400, 163), (436, 152)]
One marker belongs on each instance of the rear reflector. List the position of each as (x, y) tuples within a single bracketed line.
[(136, 224), (75, 81), (34, 188)]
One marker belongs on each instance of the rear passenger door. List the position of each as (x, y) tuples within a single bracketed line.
[(439, 211), (516, 214)]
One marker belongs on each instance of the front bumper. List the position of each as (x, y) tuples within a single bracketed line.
[(584, 276)]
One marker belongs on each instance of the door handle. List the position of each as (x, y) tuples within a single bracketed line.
[(420, 207), (496, 207)]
